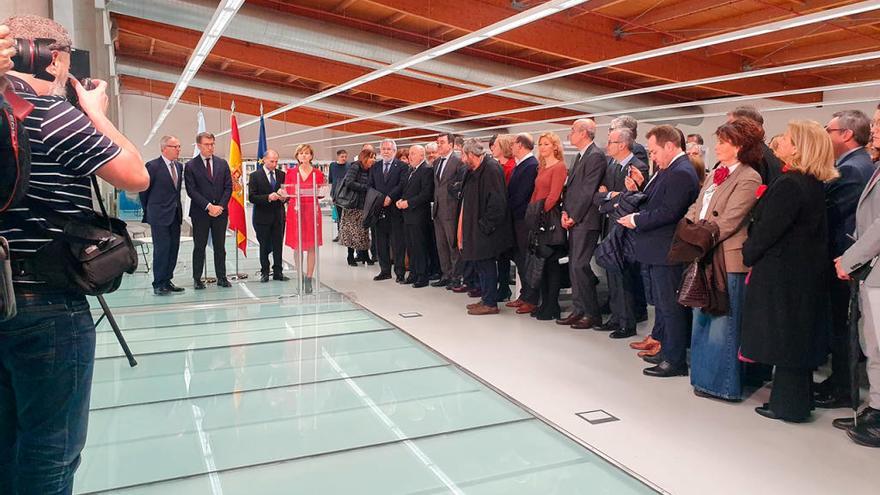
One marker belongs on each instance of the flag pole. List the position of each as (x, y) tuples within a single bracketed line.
[(237, 275)]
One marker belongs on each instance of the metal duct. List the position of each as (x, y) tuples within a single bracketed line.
[(331, 41)]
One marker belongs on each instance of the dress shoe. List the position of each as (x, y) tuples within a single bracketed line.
[(622, 333), (544, 315), (515, 303), (460, 289), (570, 319), (653, 359), (608, 326), (281, 278), (420, 284), (831, 401), (504, 295), (371, 262), (706, 395), (475, 293), (401, 280), (336, 239), (409, 280), (769, 413), (223, 282), (440, 283), (352, 262), (484, 310), (868, 415), (525, 308), (826, 387), (264, 278), (162, 291), (174, 288), (665, 370), (587, 322), (654, 350), (434, 276), (645, 343), (866, 434), (198, 285), (382, 276), (474, 305)]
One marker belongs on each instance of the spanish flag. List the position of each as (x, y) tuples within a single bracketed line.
[(236, 202)]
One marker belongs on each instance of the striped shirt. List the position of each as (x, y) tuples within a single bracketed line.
[(66, 150)]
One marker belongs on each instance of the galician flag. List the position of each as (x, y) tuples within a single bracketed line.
[(261, 144), (236, 202)]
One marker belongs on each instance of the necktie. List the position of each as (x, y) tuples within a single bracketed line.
[(385, 169), (272, 180), (440, 167), (173, 166), (577, 158), (210, 170)]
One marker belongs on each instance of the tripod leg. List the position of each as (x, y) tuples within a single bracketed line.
[(131, 360)]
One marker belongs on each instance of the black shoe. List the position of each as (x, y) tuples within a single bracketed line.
[(161, 291), (665, 370), (440, 283), (264, 278), (769, 413), (174, 288), (866, 434), (336, 239), (608, 326), (655, 359), (706, 395), (868, 415), (504, 295), (382, 276), (622, 333), (198, 284), (825, 387), (280, 277), (409, 280), (223, 282), (371, 263), (420, 284), (434, 276), (352, 262), (543, 315), (453, 285), (831, 401)]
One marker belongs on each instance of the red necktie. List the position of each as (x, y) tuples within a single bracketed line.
[(210, 172)]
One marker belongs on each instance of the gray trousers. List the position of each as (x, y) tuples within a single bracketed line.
[(869, 336), (445, 233), (582, 243)]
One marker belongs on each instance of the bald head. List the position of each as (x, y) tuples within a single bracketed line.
[(583, 132), (416, 155), (270, 159)]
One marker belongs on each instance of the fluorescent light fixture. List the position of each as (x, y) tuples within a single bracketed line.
[(518, 20), (826, 15), (220, 20)]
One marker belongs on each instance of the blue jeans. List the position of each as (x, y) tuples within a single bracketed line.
[(488, 274), (47, 356), (715, 365)]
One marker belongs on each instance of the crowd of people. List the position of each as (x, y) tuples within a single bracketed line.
[(749, 263)]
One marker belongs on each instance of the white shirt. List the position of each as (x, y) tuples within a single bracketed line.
[(269, 175), (522, 159), (710, 191)]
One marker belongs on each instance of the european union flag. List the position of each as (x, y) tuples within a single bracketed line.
[(261, 145)]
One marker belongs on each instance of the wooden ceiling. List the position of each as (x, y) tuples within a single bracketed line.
[(598, 30)]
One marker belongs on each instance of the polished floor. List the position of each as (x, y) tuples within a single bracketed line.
[(253, 390)]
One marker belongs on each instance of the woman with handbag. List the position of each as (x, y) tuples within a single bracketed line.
[(304, 222), (350, 197), (726, 200), (787, 288), (545, 233)]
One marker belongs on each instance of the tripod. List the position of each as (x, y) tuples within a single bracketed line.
[(109, 315)]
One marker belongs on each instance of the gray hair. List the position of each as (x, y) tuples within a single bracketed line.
[(393, 144), (164, 142), (473, 147), (627, 122), (270, 150), (432, 146), (698, 146), (626, 136), (586, 125), (857, 122)]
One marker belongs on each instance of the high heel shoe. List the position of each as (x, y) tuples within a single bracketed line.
[(352, 262)]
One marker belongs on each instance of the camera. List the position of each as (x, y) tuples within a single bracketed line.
[(33, 57)]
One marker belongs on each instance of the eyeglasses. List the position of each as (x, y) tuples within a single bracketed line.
[(615, 142), (828, 130), (170, 146)]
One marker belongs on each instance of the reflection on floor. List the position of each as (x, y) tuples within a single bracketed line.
[(247, 391)]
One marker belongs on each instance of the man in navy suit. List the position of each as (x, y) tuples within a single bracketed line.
[(670, 191), (415, 205), (519, 193), (209, 185), (850, 131), (386, 177), (162, 210), (263, 186)]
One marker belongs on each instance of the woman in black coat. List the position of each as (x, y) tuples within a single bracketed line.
[(787, 288), (352, 233)]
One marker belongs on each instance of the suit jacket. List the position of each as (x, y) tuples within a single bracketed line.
[(867, 245), (161, 200), (445, 202), (729, 209), (418, 191), (670, 193), (390, 186), (584, 179), (842, 198), (521, 186), (203, 191), (615, 181), (642, 154), (259, 188), (486, 229)]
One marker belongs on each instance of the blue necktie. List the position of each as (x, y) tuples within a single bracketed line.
[(272, 180)]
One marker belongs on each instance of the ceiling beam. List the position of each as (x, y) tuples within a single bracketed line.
[(673, 11), (393, 19), (344, 5), (152, 45), (806, 53)]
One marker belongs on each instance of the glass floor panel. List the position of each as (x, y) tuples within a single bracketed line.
[(240, 392)]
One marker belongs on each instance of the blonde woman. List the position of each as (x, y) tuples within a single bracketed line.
[(304, 220), (501, 146), (787, 288)]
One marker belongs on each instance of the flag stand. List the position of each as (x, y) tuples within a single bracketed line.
[(237, 275)]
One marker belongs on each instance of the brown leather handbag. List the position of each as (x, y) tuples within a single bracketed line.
[(695, 291)]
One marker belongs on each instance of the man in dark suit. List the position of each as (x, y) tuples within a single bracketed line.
[(445, 210), (209, 186), (386, 177), (263, 186), (622, 287), (850, 132), (164, 213), (583, 222), (519, 193), (415, 204), (671, 190), (629, 122)]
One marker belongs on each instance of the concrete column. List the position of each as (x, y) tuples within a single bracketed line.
[(9, 8)]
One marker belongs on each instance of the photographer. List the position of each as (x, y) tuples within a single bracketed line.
[(47, 350)]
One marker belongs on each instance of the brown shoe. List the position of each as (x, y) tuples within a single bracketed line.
[(525, 308), (646, 343), (474, 305), (484, 310), (515, 304), (650, 351), (570, 320), (460, 289), (586, 323)]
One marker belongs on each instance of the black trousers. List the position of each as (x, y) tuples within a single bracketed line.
[(417, 239), (622, 291), (791, 395), (433, 255), (271, 238), (391, 242), (216, 227), (551, 283), (584, 298), (840, 377), (521, 234), (166, 245)]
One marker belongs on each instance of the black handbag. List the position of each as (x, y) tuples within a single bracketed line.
[(550, 231), (346, 197)]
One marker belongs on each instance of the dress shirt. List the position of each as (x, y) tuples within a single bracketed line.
[(710, 191)]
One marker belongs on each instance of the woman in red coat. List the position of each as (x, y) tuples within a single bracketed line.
[(304, 221)]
